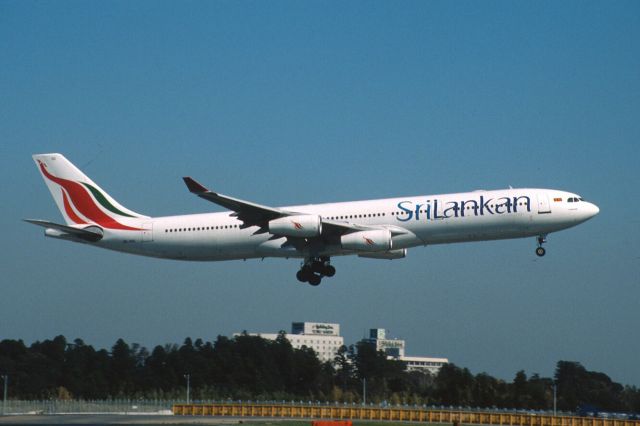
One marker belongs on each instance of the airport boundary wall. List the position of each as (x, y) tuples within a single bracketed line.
[(402, 414)]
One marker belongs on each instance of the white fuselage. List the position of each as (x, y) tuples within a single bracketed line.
[(422, 220)]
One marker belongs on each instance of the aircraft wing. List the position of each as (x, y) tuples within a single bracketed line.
[(340, 228), (252, 214)]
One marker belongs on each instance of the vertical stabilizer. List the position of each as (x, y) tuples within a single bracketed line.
[(80, 200)]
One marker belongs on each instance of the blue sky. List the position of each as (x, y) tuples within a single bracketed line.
[(307, 102)]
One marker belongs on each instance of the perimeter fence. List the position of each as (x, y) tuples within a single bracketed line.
[(309, 409), (124, 406)]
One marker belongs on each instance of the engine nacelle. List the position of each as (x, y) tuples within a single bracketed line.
[(375, 240), (304, 225), (391, 254)]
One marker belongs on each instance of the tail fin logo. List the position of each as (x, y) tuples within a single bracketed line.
[(69, 210), (77, 198)]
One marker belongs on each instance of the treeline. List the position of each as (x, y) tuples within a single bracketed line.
[(250, 367)]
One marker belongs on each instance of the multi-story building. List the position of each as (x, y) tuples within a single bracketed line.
[(394, 349), (323, 338)]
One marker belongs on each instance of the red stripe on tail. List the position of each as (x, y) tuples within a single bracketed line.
[(84, 203), (67, 208)]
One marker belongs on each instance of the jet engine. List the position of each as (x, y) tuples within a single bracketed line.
[(305, 226), (375, 240)]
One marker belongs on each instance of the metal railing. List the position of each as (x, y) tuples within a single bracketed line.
[(302, 410), (122, 406), (404, 414)]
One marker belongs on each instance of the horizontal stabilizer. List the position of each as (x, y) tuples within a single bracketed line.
[(83, 234)]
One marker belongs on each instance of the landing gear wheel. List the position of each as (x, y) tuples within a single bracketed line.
[(304, 274), (329, 271), (314, 269), (315, 279), (540, 251), (317, 267)]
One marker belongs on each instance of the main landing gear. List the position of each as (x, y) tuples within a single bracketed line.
[(314, 269), (540, 251)]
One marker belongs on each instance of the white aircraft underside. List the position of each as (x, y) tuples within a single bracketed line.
[(381, 229)]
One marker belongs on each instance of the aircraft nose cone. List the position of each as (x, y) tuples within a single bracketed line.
[(591, 210)]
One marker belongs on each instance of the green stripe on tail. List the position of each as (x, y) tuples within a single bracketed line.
[(104, 202)]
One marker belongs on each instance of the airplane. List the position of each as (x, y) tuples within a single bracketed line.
[(377, 229)]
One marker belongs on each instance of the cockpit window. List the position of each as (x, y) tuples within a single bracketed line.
[(574, 199)]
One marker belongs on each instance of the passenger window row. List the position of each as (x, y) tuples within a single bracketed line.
[(212, 228), (340, 217), (201, 228), (354, 216)]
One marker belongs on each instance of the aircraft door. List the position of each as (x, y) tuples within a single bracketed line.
[(543, 203)]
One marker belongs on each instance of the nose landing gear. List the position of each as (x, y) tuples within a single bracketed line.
[(314, 269), (540, 251)]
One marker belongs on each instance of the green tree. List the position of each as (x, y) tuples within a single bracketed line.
[(344, 367), (519, 391), (579, 387), (454, 385), (487, 391), (122, 371)]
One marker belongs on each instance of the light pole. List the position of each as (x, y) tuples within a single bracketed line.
[(364, 391), (188, 377), (5, 379)]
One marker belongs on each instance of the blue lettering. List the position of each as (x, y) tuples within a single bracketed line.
[(435, 210), (418, 211), (503, 202), (408, 211), (516, 200), (453, 208), (474, 207), (485, 205), (440, 209)]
